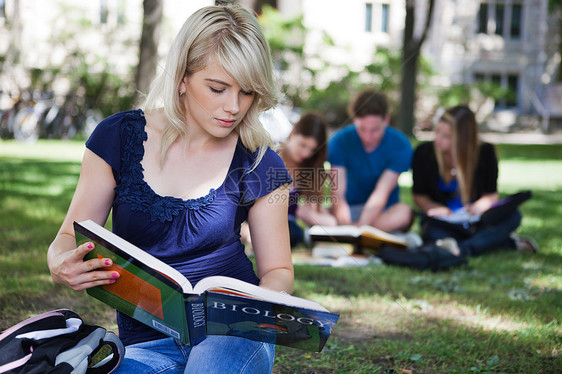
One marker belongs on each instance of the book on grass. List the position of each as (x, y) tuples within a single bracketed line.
[(159, 296), (467, 224), (362, 237)]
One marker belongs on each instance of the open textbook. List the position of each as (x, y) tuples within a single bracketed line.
[(464, 223), (159, 296), (361, 237)]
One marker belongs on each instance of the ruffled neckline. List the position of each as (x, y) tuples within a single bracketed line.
[(135, 190)]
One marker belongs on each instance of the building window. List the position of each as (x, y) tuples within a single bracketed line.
[(512, 89), (384, 20), (2, 8), (515, 29), (483, 19), (500, 14), (507, 96), (368, 17), (103, 12), (379, 12), (500, 18)]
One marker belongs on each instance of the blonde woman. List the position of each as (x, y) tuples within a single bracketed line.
[(459, 172), (180, 175)]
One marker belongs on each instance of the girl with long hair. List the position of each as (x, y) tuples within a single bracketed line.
[(304, 155), (458, 173)]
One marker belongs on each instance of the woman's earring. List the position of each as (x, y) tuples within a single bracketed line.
[(181, 92)]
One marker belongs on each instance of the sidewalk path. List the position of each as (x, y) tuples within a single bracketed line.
[(508, 138)]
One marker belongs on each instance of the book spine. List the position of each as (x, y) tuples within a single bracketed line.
[(196, 318)]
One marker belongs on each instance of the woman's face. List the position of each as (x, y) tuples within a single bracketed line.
[(301, 147), (443, 139), (214, 101)]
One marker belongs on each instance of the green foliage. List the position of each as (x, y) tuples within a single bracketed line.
[(93, 83), (463, 93), (554, 5), (311, 83)]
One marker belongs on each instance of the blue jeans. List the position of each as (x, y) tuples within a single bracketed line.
[(485, 239), (215, 354)]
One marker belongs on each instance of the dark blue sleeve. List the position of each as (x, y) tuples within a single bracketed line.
[(105, 141), (400, 152), (337, 149), (266, 177)]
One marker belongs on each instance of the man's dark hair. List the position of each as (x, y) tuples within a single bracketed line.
[(368, 102)]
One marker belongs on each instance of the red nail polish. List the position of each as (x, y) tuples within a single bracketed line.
[(112, 280), (90, 245), (115, 275), (106, 261)]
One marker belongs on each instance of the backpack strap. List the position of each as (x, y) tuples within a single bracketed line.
[(57, 341), (14, 354), (112, 361)]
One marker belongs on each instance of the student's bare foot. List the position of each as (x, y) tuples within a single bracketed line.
[(450, 245)]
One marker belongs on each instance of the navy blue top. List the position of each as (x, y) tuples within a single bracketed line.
[(199, 237)]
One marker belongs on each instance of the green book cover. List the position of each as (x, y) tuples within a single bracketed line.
[(157, 295), (140, 292)]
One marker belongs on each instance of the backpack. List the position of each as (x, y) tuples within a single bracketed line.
[(426, 257), (57, 342)]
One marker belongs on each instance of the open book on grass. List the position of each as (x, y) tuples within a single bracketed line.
[(159, 296), (362, 237)]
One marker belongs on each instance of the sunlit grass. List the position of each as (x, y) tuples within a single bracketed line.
[(501, 313)]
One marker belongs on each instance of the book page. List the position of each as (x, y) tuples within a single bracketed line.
[(459, 216), (237, 287), (342, 230), (383, 234)]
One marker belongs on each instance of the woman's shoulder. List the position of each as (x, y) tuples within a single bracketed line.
[(117, 120), (345, 132), (487, 149), (248, 157), (106, 137), (424, 148)]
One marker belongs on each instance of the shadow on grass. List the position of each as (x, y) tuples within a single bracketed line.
[(34, 196), (423, 344)]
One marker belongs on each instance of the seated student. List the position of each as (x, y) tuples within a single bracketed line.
[(457, 171), (367, 158), (179, 177), (304, 154)]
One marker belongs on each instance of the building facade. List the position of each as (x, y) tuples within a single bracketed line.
[(513, 43)]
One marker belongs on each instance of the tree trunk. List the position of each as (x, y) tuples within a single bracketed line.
[(410, 56), (559, 76), (14, 48), (148, 47)]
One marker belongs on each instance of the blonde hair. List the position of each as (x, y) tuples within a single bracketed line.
[(232, 37), (465, 148)]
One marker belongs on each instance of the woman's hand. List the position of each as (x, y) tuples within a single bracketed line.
[(439, 211), (68, 268), (483, 203)]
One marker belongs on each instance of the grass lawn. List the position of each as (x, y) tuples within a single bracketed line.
[(500, 314)]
